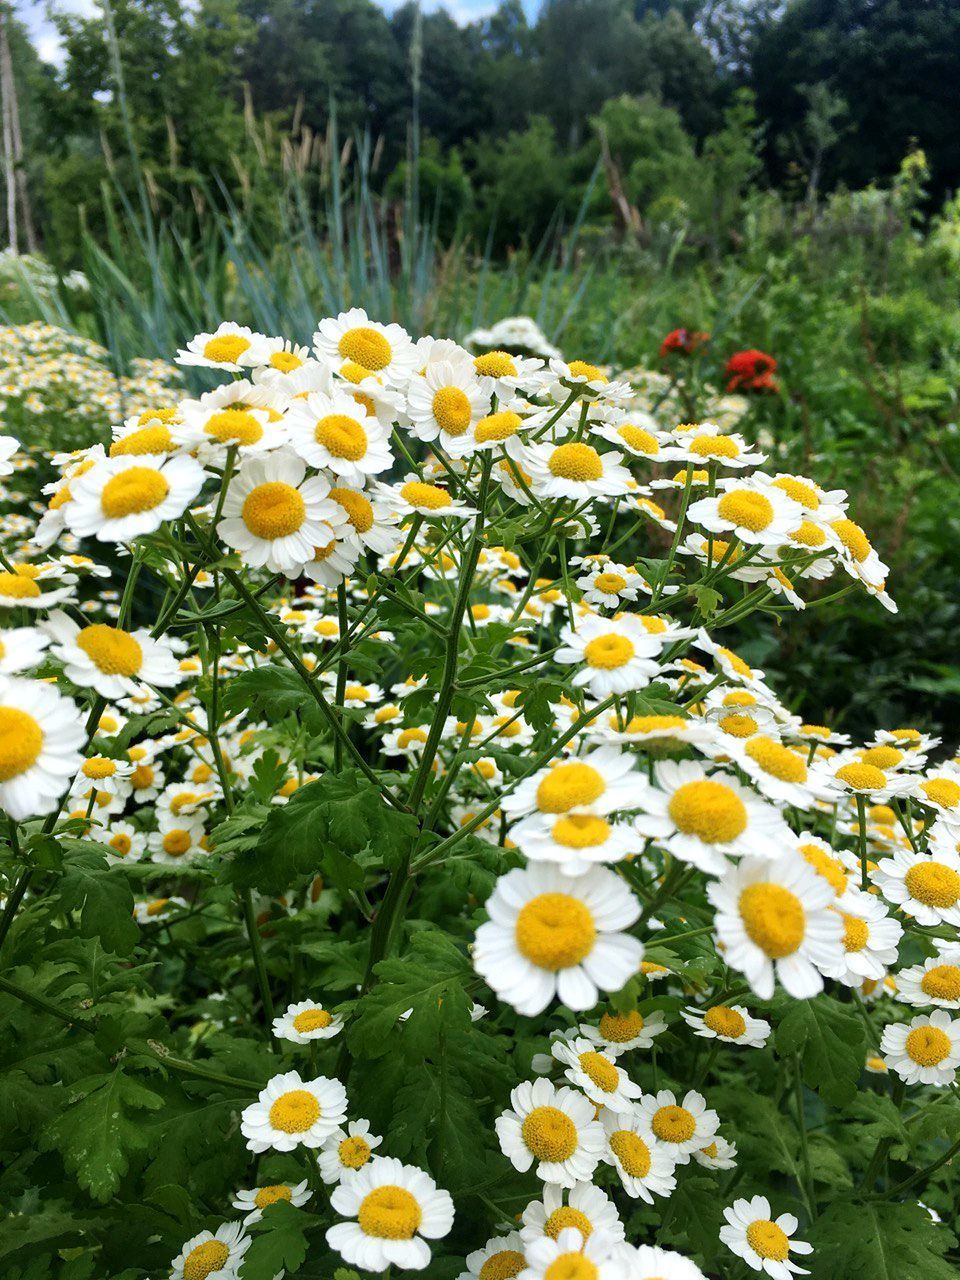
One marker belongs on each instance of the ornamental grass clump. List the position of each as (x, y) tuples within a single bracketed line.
[(405, 871)]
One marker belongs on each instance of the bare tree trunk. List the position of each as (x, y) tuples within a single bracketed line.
[(20, 173), (9, 164)]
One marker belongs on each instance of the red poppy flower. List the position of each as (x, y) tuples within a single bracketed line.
[(751, 371), (683, 342)]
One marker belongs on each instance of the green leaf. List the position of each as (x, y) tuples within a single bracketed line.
[(279, 1242), (98, 1129), (53, 1223), (830, 1039), (274, 691), (102, 896), (882, 1241), (880, 1118)]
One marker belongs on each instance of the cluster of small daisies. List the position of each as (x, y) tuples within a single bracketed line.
[(371, 464)]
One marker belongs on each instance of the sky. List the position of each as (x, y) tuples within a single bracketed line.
[(44, 35)]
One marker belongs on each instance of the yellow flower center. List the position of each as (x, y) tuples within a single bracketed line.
[(390, 1213), (565, 1217), (568, 786), (341, 436), (21, 741), (495, 364), (142, 777), (157, 906), (736, 662), (768, 1240), (928, 1045), (619, 1028), (312, 1020), (739, 725), (709, 810), (111, 650), (934, 884), (856, 932), (710, 1151), (725, 1022), (862, 777), (576, 461), (774, 919), (571, 1266), (366, 347), (503, 1265), (99, 767), (271, 1195), (63, 496), (407, 736), (853, 538), (799, 491), (167, 414), (599, 1070), (942, 982), (430, 496), (176, 842), (639, 440), (746, 509), (354, 1152), (714, 447), (581, 831), (273, 510), (581, 369), (207, 1257), (808, 534), (674, 1124), (285, 361), (497, 426), (632, 1152), (358, 508), (831, 869), (609, 583), (555, 931), (942, 791), (549, 1134), (121, 843), (451, 410), (608, 652), (226, 349), (884, 758), (295, 1111), (132, 492), (155, 439), (654, 724), (776, 759), (234, 426)]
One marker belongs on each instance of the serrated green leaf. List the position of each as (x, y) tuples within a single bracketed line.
[(102, 896), (830, 1038), (882, 1241), (279, 1242)]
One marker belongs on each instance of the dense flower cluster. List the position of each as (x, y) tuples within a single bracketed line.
[(620, 779)]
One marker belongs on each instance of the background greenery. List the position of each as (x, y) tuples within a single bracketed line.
[(779, 175)]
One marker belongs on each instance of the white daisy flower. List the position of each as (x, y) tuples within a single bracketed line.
[(8, 447), (779, 772), (128, 844), (109, 660), (587, 1208), (939, 789), (924, 885), (774, 917), (609, 584), (552, 1127), (41, 738), (306, 1021), (282, 358), (730, 1023), (353, 339), (230, 347), (418, 497), (445, 403), (764, 1243), (718, 1154), (639, 436), (596, 1074), (571, 1257), (706, 443), (20, 649), (834, 867), (505, 371), (291, 1112), (371, 523), (682, 1127), (934, 983), (597, 783), (647, 1262), (621, 1032), (845, 775), (753, 513), (274, 517), (335, 433), (252, 1203), (22, 590), (925, 1050), (502, 1256), (212, 1256), (122, 498), (347, 1150), (155, 908), (396, 1208), (549, 935), (176, 845), (615, 655), (574, 470), (871, 940), (705, 817), (644, 1165)]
